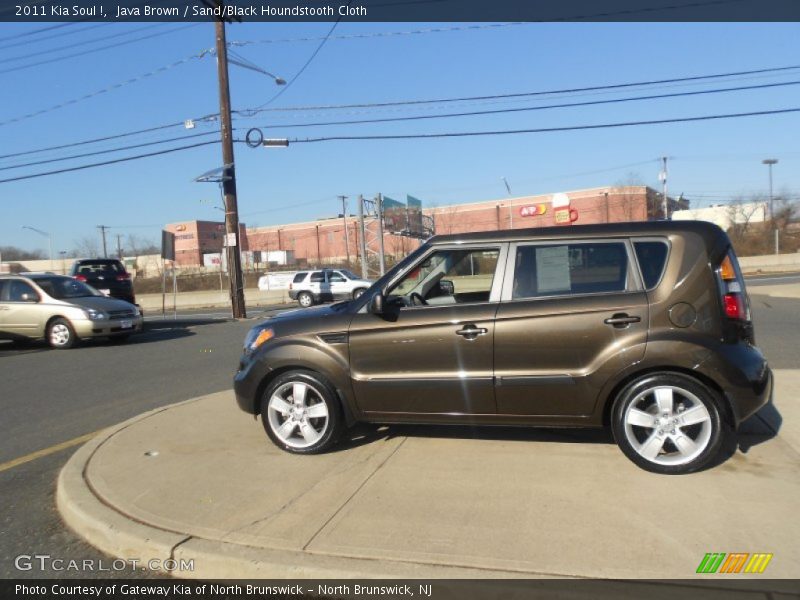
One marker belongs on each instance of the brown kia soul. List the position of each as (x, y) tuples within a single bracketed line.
[(643, 327)]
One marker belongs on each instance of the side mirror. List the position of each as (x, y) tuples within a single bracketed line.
[(29, 297), (447, 287), (376, 304)]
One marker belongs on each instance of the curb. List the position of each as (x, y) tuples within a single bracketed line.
[(122, 537)]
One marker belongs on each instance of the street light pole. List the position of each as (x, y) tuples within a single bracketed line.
[(229, 181), (769, 162), (49, 241)]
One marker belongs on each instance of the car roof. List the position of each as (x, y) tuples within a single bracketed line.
[(705, 229), (96, 261), (34, 276)]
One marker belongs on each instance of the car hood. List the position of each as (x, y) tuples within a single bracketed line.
[(309, 314), (99, 303)]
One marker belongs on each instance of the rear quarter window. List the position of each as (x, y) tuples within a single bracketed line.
[(652, 257), (299, 277)]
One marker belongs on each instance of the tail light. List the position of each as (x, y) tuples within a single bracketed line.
[(734, 298), (81, 278), (123, 277), (290, 286)]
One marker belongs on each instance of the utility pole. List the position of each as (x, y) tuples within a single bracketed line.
[(379, 207), (119, 246), (103, 229), (229, 180), (663, 177), (769, 162), (363, 241), (346, 236)]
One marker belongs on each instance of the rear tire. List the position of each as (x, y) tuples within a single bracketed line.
[(305, 299), (61, 335), (668, 423), (301, 414)]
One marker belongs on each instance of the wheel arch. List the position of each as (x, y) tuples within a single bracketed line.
[(610, 397)]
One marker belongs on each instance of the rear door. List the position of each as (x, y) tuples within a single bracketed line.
[(573, 314)]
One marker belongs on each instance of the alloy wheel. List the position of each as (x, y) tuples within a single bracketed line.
[(298, 414)]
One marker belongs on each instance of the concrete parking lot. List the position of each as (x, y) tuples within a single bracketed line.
[(512, 502)]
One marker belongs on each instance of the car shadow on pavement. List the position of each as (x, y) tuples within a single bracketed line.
[(763, 426), (367, 433)]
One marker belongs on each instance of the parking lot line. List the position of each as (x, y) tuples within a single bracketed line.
[(47, 451)]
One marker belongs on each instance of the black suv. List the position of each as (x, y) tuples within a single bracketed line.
[(107, 275)]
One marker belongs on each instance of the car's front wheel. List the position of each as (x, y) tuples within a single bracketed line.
[(60, 334), (668, 423), (305, 299), (357, 293), (301, 413)]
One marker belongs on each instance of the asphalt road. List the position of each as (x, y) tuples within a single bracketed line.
[(52, 397)]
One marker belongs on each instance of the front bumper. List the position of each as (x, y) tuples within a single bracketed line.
[(245, 386), (106, 328)]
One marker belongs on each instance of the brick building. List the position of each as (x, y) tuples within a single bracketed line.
[(322, 241), (194, 239)]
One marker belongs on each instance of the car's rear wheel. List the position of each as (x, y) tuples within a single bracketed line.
[(301, 413), (305, 299), (60, 334), (668, 423)]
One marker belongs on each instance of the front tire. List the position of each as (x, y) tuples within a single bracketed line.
[(61, 335), (668, 423), (305, 299), (357, 293), (301, 413)]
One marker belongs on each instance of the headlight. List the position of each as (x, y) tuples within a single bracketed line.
[(95, 315), (256, 337)]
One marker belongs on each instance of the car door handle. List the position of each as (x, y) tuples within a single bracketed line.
[(621, 320), (470, 332)]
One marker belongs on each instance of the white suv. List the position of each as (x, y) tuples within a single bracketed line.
[(325, 285)]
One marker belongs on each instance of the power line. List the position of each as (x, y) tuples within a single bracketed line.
[(305, 65), (544, 129), (533, 108), (105, 90), (71, 31), (254, 111), (93, 50), (34, 32), (109, 151), (81, 43), (109, 162)]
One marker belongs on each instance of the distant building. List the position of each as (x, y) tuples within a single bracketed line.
[(322, 241), (726, 215)]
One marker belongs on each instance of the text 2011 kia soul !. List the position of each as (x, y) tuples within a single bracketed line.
[(645, 327)]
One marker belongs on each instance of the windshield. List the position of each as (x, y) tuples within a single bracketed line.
[(348, 274), (62, 288)]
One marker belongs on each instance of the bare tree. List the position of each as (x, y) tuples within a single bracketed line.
[(86, 247), (10, 253)]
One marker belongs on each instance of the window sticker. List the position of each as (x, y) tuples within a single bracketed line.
[(552, 269)]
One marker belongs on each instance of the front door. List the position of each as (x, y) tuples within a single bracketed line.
[(432, 350), (573, 314)]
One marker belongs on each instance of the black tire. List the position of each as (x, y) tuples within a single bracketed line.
[(318, 390), (357, 293), (305, 299), (685, 440), (60, 334)]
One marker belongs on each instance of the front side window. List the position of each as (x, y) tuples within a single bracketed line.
[(64, 288), (335, 277), (570, 269), (452, 276)]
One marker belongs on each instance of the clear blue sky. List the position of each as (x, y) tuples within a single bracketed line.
[(710, 161)]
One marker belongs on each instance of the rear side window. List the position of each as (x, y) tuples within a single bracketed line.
[(317, 277), (299, 277), (570, 269), (652, 257)]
